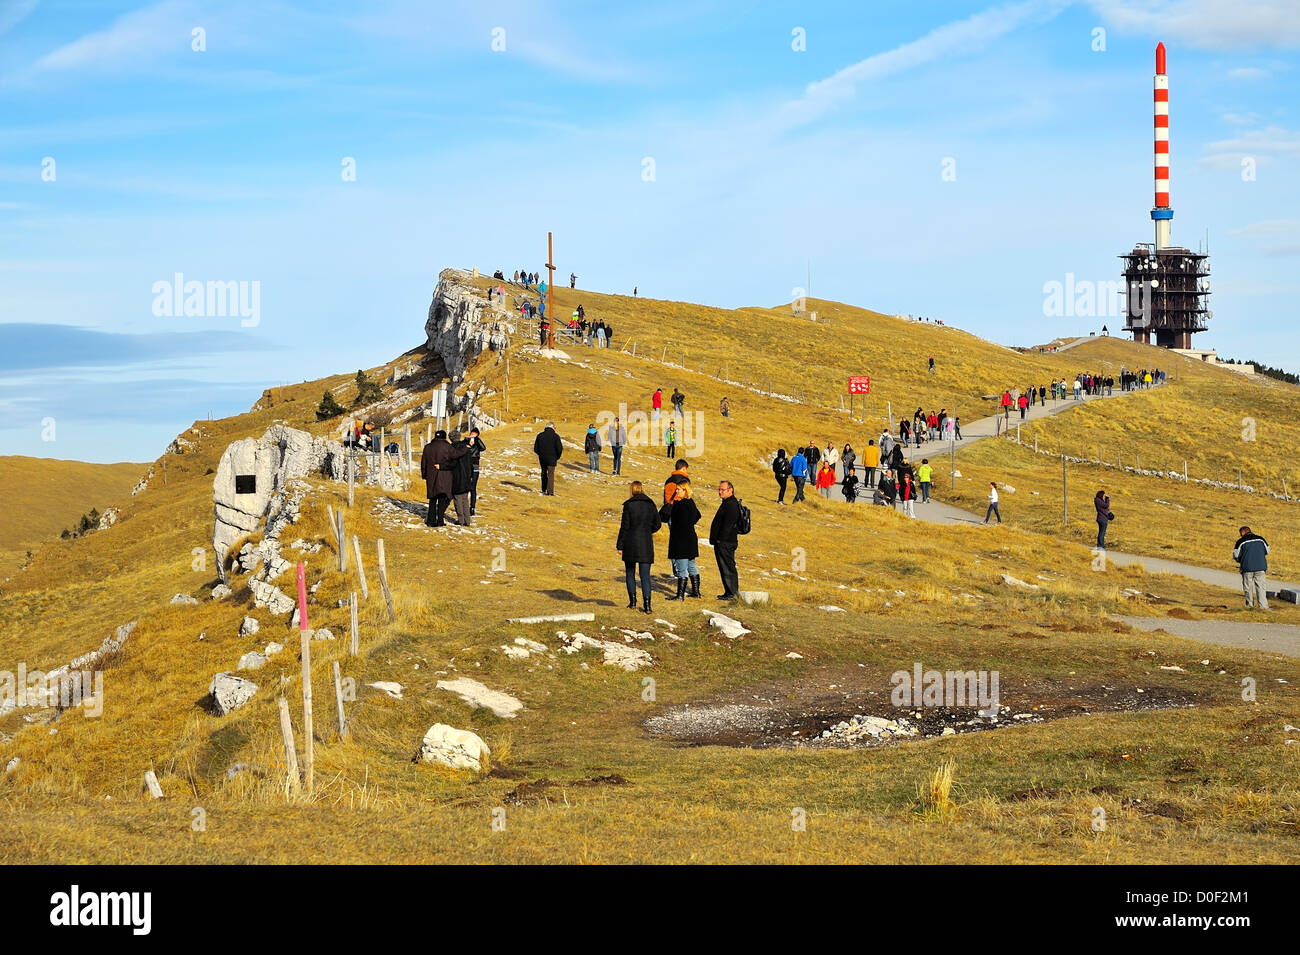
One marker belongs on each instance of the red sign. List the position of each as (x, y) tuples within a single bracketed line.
[(859, 385)]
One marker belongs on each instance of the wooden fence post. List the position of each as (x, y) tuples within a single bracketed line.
[(338, 699), (290, 753), (352, 612), (308, 747), (342, 541), (361, 570), (383, 583)]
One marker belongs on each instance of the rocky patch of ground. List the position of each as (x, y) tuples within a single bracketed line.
[(851, 707)]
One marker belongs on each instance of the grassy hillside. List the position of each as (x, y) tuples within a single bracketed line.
[(45, 495), (1151, 728)]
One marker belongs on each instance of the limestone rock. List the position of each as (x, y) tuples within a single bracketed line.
[(731, 629), (252, 661), (229, 692), (249, 627), (476, 694), (1017, 582), (753, 597), (220, 592), (266, 466), (185, 599), (111, 644), (322, 634), (461, 325), (393, 690), (448, 746), (271, 597), (108, 518), (615, 654), (272, 648)]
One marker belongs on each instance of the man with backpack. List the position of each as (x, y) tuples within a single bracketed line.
[(1251, 555), (732, 519)]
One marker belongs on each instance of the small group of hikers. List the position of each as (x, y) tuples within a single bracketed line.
[(597, 334), (449, 466), (642, 519), (932, 426)]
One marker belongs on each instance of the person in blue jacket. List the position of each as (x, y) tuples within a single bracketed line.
[(799, 471), (1251, 555)]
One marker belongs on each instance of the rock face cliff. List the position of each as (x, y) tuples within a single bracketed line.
[(461, 323), (252, 483)]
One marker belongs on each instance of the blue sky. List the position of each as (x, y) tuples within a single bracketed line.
[(224, 164)]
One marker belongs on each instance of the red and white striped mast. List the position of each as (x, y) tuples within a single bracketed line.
[(1162, 214)]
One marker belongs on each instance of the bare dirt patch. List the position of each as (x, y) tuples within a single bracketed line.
[(798, 712)]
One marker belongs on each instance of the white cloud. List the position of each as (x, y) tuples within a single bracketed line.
[(1268, 227), (1247, 73), (1270, 139), (11, 14), (1208, 24), (132, 38), (951, 39)]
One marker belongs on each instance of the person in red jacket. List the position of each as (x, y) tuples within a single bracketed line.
[(1024, 404), (1006, 405), (825, 478), (656, 403), (907, 494)]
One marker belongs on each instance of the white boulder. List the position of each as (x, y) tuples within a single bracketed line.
[(457, 749), (229, 692)]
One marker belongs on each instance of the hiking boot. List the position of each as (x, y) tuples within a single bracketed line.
[(645, 607), (681, 589), (725, 596), (695, 586)]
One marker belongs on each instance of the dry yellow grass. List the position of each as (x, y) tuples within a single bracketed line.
[(579, 726)]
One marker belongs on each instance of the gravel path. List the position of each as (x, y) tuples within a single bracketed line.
[(1276, 637)]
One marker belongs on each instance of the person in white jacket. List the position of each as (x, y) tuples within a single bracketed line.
[(993, 503), (832, 455)]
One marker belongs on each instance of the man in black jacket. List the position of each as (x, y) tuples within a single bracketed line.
[(462, 478), (723, 537), (549, 449), (476, 448), (437, 465)]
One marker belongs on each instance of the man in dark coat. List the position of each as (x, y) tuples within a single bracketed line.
[(636, 543), (436, 469), (476, 448), (462, 478), (723, 537), (549, 449)]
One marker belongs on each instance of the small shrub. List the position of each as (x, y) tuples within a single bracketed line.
[(328, 407)]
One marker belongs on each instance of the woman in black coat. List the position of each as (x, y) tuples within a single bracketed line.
[(683, 542), (1104, 517), (636, 543)]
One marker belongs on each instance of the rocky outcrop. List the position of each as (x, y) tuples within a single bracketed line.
[(229, 692), (461, 323), (253, 483), (457, 749), (108, 518)]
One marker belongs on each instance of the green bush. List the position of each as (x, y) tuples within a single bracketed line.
[(328, 407)]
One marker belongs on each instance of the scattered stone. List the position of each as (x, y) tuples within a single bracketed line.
[(457, 749), (1017, 582), (272, 649), (615, 654), (229, 692), (393, 690), (249, 627), (108, 518), (867, 729), (12, 764), (831, 608), (184, 599), (753, 598), (322, 634), (476, 694), (532, 645), (220, 592), (252, 661), (731, 629), (271, 597), (794, 656), (556, 618)]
